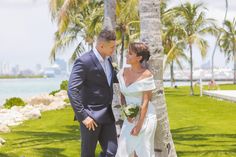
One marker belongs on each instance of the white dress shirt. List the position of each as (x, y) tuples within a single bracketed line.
[(105, 65)]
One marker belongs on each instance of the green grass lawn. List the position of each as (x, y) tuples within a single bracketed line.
[(201, 126)]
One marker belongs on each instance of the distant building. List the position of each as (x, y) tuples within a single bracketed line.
[(39, 69), (62, 65), (26, 72), (206, 65), (52, 71), (15, 70)]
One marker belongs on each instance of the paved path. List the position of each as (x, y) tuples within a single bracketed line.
[(229, 95)]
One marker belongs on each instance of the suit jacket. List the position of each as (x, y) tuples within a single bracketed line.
[(89, 91)]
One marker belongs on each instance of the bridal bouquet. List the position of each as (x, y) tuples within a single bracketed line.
[(130, 111)]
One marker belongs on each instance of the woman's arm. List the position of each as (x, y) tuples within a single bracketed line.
[(146, 98)]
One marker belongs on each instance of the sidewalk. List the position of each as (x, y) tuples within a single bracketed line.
[(229, 95)]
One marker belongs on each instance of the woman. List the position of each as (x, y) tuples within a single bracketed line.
[(136, 85)]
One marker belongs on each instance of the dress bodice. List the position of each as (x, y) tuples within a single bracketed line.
[(133, 93)]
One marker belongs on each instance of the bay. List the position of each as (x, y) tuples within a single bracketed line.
[(27, 87)]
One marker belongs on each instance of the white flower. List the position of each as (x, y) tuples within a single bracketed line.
[(115, 66), (130, 111)]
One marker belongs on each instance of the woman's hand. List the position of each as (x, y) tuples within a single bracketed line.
[(135, 131)]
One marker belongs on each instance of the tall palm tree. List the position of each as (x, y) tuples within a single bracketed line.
[(227, 42), (78, 23), (84, 19), (150, 24), (174, 54), (172, 41), (109, 14), (196, 26), (217, 42)]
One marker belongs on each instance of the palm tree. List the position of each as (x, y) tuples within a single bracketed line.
[(109, 14), (217, 41), (172, 41), (84, 19), (150, 24), (227, 42), (127, 27), (174, 54), (75, 19), (196, 25)]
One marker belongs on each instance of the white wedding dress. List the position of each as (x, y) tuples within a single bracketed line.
[(143, 144)]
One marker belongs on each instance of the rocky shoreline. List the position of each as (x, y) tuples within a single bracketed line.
[(32, 110)]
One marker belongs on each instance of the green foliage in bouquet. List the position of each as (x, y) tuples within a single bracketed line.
[(14, 102), (130, 111)]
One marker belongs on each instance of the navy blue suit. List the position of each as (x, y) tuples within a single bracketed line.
[(91, 95)]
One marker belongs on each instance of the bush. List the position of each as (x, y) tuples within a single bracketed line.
[(67, 101), (64, 85), (54, 92), (14, 102)]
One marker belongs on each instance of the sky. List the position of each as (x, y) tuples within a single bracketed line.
[(27, 32)]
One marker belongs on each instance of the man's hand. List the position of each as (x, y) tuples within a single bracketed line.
[(90, 123)]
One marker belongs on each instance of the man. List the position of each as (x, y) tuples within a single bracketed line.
[(90, 92)]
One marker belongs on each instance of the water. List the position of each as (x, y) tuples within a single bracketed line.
[(27, 87), (30, 87)]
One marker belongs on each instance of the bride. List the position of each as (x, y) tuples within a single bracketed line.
[(136, 85)]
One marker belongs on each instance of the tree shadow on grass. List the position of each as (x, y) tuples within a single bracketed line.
[(5, 155), (223, 142), (229, 153), (34, 138), (50, 152), (185, 129)]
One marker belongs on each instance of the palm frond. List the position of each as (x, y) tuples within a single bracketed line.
[(78, 50)]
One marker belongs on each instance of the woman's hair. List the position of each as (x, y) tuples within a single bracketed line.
[(140, 49)]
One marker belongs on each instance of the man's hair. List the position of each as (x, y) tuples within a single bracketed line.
[(106, 35)]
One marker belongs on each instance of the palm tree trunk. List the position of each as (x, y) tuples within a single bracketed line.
[(191, 69), (172, 73), (110, 24), (122, 49), (150, 25), (217, 40), (234, 67), (109, 14)]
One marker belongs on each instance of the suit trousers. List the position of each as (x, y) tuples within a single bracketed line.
[(105, 134)]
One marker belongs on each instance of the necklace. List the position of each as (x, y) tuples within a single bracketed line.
[(137, 71)]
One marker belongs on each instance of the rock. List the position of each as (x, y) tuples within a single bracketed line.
[(2, 141), (11, 118), (40, 99), (62, 94), (35, 105), (4, 111), (29, 112), (4, 129), (56, 105)]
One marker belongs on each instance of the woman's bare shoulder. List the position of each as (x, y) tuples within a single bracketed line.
[(147, 73)]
